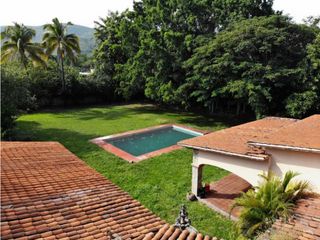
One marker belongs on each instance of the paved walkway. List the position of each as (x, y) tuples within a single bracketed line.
[(223, 193)]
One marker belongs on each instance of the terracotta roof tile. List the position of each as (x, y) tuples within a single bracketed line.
[(234, 140), (168, 232), (305, 222), (304, 134), (49, 193)]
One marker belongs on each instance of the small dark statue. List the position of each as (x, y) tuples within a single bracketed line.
[(182, 220)]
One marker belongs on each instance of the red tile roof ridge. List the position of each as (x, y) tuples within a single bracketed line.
[(234, 140), (281, 118), (273, 118), (303, 135)]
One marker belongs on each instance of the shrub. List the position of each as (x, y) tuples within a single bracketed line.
[(15, 97), (298, 104), (272, 199), (45, 84)]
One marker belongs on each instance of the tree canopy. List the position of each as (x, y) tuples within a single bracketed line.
[(258, 62), (222, 55)]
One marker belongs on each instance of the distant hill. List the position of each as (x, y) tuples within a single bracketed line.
[(85, 34)]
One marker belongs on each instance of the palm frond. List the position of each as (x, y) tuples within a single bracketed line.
[(50, 47), (2, 35), (287, 178), (7, 55), (56, 38), (8, 45), (18, 41), (273, 198), (70, 55), (37, 60)]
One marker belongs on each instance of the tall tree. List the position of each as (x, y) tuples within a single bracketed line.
[(66, 45), (217, 54), (177, 28), (305, 99), (18, 45), (257, 62), (118, 61), (144, 49)]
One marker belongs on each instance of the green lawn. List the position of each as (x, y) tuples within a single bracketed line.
[(160, 183)]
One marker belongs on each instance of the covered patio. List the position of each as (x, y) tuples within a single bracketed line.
[(271, 144), (222, 194), (228, 149)]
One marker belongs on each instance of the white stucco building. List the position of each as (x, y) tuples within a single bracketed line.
[(270, 144)]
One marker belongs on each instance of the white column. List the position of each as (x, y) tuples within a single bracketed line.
[(196, 179)]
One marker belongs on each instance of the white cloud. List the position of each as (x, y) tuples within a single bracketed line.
[(298, 9)]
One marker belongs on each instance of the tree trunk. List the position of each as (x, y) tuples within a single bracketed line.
[(62, 75), (238, 107), (244, 108), (61, 70), (24, 60)]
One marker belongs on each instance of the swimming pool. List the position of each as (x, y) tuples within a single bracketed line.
[(141, 144)]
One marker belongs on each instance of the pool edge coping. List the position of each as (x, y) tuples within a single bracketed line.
[(134, 159)]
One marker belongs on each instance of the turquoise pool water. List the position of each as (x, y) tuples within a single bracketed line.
[(142, 143)]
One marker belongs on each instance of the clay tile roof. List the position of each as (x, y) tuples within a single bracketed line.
[(305, 222), (303, 135), (234, 140), (49, 193), (168, 232)]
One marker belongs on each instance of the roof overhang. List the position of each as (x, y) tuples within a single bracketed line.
[(284, 147), (246, 156)]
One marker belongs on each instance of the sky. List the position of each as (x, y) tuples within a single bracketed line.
[(85, 12)]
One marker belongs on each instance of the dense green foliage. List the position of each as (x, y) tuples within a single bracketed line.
[(17, 47), (306, 99), (221, 55), (258, 62), (160, 183), (30, 88), (274, 198), (15, 96), (44, 85)]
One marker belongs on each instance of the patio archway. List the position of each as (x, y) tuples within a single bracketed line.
[(245, 168), (244, 174)]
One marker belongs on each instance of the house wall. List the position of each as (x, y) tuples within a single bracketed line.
[(247, 169), (307, 164)]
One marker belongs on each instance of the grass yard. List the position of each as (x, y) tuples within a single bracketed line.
[(160, 183)]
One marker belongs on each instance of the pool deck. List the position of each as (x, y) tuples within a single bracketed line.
[(222, 195), (100, 141)]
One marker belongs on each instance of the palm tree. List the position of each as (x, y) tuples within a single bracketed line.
[(55, 38), (18, 45), (274, 198)]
